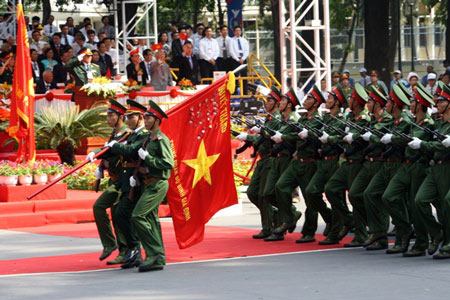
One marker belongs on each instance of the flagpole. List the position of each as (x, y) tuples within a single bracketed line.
[(241, 67)]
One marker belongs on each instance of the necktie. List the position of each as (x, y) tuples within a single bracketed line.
[(47, 87), (190, 62), (148, 70), (51, 28), (65, 40), (224, 55), (240, 48), (88, 68)]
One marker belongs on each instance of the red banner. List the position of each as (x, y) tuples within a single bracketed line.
[(202, 181), (21, 123)]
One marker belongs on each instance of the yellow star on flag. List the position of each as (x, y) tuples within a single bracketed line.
[(201, 164)]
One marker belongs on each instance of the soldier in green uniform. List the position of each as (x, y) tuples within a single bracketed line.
[(436, 186), (343, 178), (129, 158), (157, 162), (299, 173), (110, 197), (330, 154), (406, 181), (376, 206), (435, 115), (81, 68), (258, 181), (282, 153)]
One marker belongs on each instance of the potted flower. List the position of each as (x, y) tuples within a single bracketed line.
[(25, 174), (54, 170), (8, 173), (40, 172)]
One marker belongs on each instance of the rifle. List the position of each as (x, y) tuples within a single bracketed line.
[(359, 144), (101, 166), (245, 146), (434, 133), (48, 185), (138, 165), (338, 147)]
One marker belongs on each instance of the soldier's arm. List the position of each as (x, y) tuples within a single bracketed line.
[(165, 162), (70, 65), (129, 150)]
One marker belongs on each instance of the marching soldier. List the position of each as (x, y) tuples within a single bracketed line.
[(343, 177), (299, 173), (129, 159), (407, 179), (157, 162), (435, 187), (258, 181), (376, 206), (110, 197)]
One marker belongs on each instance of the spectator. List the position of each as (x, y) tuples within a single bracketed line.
[(70, 26), (46, 84), (101, 36), (160, 72), (56, 46), (7, 69), (80, 42), (66, 38), (100, 64), (6, 27), (61, 75), (446, 77), (49, 28), (163, 39), (36, 66), (323, 90), (105, 58), (173, 28), (36, 43), (87, 29), (398, 78), (148, 58), (142, 45), (208, 52), (49, 62), (111, 52), (218, 32), (188, 64), (378, 83), (106, 28), (335, 76), (136, 68), (87, 25), (413, 78), (196, 38), (238, 50), (430, 69), (365, 79), (345, 83), (350, 80), (431, 83), (223, 59), (177, 47), (91, 41)]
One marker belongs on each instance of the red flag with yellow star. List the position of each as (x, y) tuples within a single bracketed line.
[(202, 180), (21, 122)]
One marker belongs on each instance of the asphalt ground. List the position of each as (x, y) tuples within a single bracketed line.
[(319, 274)]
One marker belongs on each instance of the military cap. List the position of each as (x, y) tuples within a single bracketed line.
[(292, 97), (445, 94), (316, 94), (399, 97), (274, 93), (135, 108), (116, 107), (405, 90), (377, 95), (359, 94), (156, 111), (424, 89), (335, 74), (423, 97), (440, 87), (338, 92)]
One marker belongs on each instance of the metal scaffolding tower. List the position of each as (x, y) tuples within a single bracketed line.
[(294, 20)]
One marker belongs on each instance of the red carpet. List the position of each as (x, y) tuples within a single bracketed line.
[(220, 242)]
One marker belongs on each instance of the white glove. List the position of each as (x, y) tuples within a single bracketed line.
[(415, 143), (277, 137), (446, 142), (347, 129), (110, 144), (142, 153), (90, 157), (366, 136), (303, 134), (132, 181), (255, 129), (386, 139), (348, 138), (80, 57), (242, 136), (324, 137), (106, 143), (98, 174)]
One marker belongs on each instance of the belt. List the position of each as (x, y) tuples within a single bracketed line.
[(283, 155), (393, 160), (129, 164), (301, 159), (373, 159), (408, 161), (147, 180), (113, 176), (330, 158), (354, 161), (264, 156)]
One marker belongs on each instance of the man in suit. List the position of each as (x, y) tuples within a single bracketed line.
[(57, 46), (105, 58), (223, 40), (107, 29), (61, 75), (66, 38), (177, 48), (46, 84), (238, 49), (81, 67), (36, 66), (148, 59), (187, 64), (160, 72)]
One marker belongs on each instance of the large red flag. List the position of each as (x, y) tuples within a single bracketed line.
[(202, 180), (21, 122)]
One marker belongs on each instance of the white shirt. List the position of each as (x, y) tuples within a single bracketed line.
[(208, 49), (112, 52), (432, 89), (221, 46), (235, 52), (195, 40), (38, 46), (49, 30), (70, 39), (6, 30)]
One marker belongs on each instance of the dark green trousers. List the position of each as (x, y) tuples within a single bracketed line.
[(255, 192), (356, 198), (335, 189), (123, 216), (376, 207), (108, 199), (297, 174), (400, 195), (434, 190), (145, 219)]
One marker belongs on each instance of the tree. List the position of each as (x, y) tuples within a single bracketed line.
[(442, 17), (182, 12)]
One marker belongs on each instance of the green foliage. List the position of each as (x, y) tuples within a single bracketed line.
[(84, 179), (181, 11), (58, 123), (341, 12), (441, 11)]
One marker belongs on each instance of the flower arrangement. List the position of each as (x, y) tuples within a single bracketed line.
[(8, 168), (241, 167), (131, 85), (5, 90), (186, 84), (102, 86), (69, 88), (84, 179)]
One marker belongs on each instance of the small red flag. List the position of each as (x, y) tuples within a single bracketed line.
[(156, 47), (108, 73), (183, 37), (21, 123), (202, 181)]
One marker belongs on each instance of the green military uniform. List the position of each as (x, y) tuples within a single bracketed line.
[(376, 206), (80, 71), (343, 178), (255, 190), (157, 163)]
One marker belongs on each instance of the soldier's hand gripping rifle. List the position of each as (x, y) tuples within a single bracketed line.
[(338, 147), (102, 166), (359, 144), (138, 165), (434, 133), (245, 146)]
